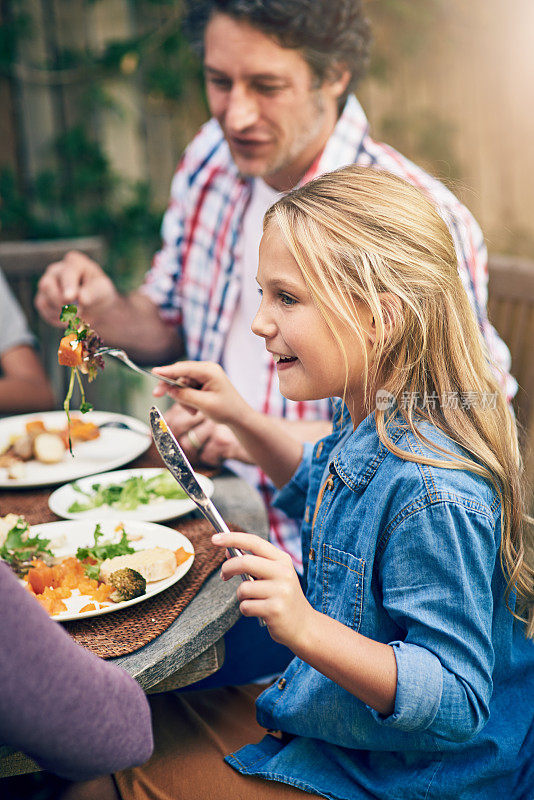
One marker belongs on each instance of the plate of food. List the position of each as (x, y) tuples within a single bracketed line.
[(34, 448), (151, 495), (79, 569)]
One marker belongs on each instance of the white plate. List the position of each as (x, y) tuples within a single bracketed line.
[(71, 535), (113, 448), (161, 509)]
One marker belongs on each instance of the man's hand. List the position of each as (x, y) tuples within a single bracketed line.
[(129, 321), (76, 279), (204, 441), (276, 595)]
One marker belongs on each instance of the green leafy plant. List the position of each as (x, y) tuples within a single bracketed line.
[(82, 194)]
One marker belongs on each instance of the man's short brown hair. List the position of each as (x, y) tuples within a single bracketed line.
[(330, 33)]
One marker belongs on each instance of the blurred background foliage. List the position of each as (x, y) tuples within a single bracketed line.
[(120, 71), (81, 192), (98, 99)]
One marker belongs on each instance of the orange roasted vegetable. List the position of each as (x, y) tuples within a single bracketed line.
[(70, 352), (82, 431), (52, 585), (35, 426), (41, 577), (181, 555), (88, 607)]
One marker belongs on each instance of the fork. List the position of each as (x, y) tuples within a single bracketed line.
[(121, 355)]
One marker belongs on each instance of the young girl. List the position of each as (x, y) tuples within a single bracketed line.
[(413, 674)]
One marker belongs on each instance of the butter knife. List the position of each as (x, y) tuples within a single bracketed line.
[(176, 462)]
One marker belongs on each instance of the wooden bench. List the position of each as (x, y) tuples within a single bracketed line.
[(511, 311), (23, 264)]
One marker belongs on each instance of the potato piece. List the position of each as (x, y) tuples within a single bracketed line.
[(48, 448), (16, 471), (23, 447)]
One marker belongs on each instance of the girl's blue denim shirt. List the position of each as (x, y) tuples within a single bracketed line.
[(406, 554)]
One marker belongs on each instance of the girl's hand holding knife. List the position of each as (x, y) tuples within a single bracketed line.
[(275, 595)]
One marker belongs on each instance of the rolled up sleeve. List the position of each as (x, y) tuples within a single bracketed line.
[(436, 575), (419, 688), (292, 497)]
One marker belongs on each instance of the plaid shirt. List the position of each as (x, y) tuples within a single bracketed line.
[(195, 277)]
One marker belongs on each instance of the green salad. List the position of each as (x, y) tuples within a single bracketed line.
[(129, 494), (99, 551)]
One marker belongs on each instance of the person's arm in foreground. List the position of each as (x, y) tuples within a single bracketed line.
[(23, 382), (129, 321), (75, 714)]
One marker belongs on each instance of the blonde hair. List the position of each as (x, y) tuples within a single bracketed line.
[(363, 236)]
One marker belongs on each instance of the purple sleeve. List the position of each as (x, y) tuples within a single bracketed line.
[(75, 714)]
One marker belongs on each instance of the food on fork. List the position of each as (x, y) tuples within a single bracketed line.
[(79, 345), (78, 351)]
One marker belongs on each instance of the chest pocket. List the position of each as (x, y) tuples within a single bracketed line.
[(342, 586)]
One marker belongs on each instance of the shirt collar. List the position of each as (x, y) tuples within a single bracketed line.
[(344, 143), (362, 452)]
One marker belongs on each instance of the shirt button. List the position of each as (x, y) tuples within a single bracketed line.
[(307, 514), (311, 554), (319, 450), (281, 683), (330, 483)]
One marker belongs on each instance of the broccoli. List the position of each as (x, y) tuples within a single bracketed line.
[(128, 583)]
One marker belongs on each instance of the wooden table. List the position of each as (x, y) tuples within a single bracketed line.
[(193, 647)]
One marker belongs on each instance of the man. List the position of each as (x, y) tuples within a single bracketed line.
[(278, 77)]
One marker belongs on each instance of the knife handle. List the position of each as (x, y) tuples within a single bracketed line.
[(212, 515)]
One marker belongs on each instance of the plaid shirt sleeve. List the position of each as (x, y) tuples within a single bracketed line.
[(164, 276)]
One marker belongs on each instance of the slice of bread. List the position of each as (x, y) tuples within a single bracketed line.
[(154, 564)]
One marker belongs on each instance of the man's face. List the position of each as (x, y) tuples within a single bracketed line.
[(275, 118)]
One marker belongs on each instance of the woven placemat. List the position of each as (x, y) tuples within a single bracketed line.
[(124, 631), (32, 503)]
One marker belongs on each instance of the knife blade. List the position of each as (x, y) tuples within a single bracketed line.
[(176, 462)]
